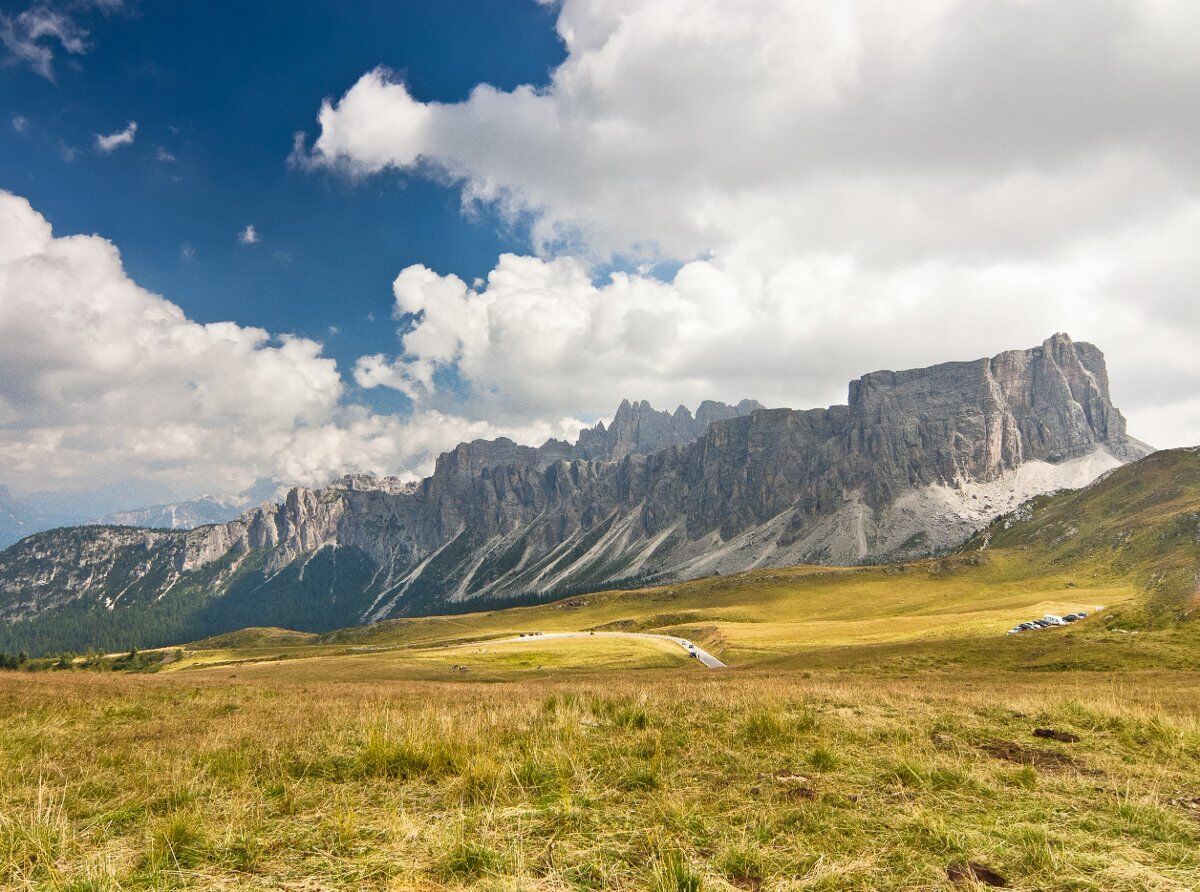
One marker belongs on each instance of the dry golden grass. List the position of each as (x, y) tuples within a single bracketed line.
[(481, 659), (748, 618), (662, 779), (877, 727)]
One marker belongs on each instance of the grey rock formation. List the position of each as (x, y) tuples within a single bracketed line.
[(917, 460), (638, 429)]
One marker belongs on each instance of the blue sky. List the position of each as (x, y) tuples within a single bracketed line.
[(222, 87), (671, 200)]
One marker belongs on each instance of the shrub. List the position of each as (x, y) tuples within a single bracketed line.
[(403, 756), (822, 759), (743, 864)]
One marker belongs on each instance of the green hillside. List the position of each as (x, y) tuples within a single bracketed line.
[(1124, 550), (1127, 544), (878, 727), (1139, 525)]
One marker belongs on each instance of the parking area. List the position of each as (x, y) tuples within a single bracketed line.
[(1051, 621)]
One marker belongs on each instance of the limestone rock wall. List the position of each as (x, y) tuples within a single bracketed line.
[(653, 495)]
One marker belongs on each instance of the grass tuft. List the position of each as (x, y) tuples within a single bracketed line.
[(468, 859), (178, 844), (672, 872), (763, 727)]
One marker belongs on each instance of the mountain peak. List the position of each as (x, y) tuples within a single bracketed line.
[(917, 461)]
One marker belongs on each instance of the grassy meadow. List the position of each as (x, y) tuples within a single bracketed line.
[(425, 754), (663, 779), (784, 617), (875, 730)]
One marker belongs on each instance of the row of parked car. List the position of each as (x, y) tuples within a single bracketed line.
[(1047, 621)]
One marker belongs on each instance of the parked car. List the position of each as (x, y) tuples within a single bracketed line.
[(1050, 620)]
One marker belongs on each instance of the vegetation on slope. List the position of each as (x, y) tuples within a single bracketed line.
[(1141, 523), (330, 590), (1128, 543), (886, 737), (715, 781)]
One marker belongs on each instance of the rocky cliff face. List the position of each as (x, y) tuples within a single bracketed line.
[(916, 461), (636, 429)]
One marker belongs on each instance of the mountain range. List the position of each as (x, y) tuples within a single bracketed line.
[(142, 504), (915, 462), (198, 511), (21, 515)]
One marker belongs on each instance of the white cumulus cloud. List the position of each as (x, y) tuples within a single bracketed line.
[(895, 129), (102, 381), (248, 236), (847, 185), (542, 339)]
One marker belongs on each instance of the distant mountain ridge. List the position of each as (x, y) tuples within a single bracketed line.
[(142, 505), (198, 511), (43, 510), (16, 518), (914, 462)]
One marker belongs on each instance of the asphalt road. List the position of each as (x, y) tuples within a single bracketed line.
[(702, 656)]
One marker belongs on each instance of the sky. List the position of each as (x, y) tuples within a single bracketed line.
[(247, 240)]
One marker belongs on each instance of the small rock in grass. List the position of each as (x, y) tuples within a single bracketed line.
[(1052, 734), (787, 776), (972, 871), (806, 793), (797, 785)]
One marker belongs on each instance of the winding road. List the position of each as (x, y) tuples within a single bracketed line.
[(702, 656)]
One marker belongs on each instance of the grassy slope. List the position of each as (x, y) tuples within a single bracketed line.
[(721, 781), (1140, 525), (381, 663), (1128, 544), (878, 727)]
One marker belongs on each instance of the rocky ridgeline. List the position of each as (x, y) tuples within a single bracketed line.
[(655, 496), (636, 429)]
